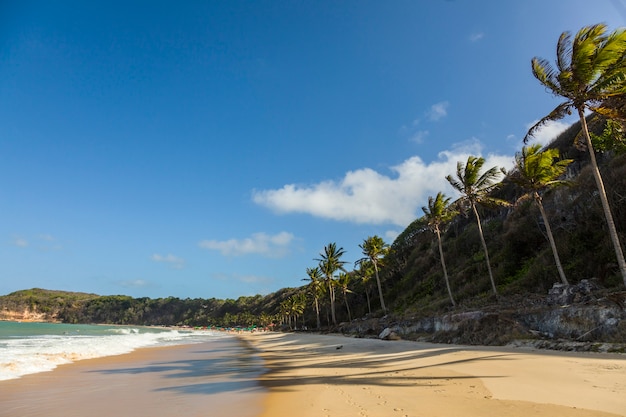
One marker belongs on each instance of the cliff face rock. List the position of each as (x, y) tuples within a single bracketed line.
[(589, 322), (26, 314)]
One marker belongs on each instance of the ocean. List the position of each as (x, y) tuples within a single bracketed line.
[(199, 373), (27, 348)]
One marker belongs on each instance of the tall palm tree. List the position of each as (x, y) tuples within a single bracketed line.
[(329, 263), (591, 70), (437, 214), (536, 171), (316, 286), (297, 302), (344, 283), (365, 272), (475, 189), (375, 248)]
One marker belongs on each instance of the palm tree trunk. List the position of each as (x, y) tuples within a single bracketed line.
[(317, 312), (345, 299), (482, 239), (331, 292), (443, 265), (367, 295), (380, 288), (605, 201), (559, 267)]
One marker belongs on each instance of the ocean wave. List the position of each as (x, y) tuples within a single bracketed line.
[(43, 352)]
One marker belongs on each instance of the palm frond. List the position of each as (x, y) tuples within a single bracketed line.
[(546, 74), (584, 49), (488, 178), (537, 169), (611, 52), (558, 113), (564, 51), (609, 85)]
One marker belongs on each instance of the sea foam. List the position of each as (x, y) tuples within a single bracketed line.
[(22, 355)]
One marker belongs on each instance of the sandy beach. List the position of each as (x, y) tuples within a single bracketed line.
[(217, 379), (308, 375), (336, 376)]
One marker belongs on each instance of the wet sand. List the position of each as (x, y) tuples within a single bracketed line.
[(335, 376), (217, 379)]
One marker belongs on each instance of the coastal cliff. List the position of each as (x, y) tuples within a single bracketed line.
[(26, 315)]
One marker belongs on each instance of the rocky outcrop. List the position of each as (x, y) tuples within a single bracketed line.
[(26, 315), (570, 317)]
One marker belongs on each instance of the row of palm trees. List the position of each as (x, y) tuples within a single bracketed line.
[(535, 170), (591, 70), (590, 75), (330, 275)]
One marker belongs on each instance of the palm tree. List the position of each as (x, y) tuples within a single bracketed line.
[(591, 70), (437, 214), (285, 312), (375, 248), (475, 189), (537, 171), (293, 307), (316, 286), (344, 283), (329, 263), (365, 273), (297, 302)]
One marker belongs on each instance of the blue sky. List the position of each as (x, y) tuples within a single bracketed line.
[(212, 148)]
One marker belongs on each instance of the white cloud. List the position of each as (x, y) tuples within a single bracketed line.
[(419, 136), (20, 242), (475, 37), (135, 283), (273, 246), (47, 245), (174, 261), (391, 235), (367, 196), (548, 132), (438, 111)]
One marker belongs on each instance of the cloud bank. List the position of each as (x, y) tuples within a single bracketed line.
[(369, 197)]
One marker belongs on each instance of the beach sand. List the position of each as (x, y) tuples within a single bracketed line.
[(216, 379), (315, 376), (312, 375)]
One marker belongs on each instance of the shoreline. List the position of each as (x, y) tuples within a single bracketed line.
[(161, 381), (334, 375)]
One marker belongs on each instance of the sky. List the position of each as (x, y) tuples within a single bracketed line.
[(205, 149)]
